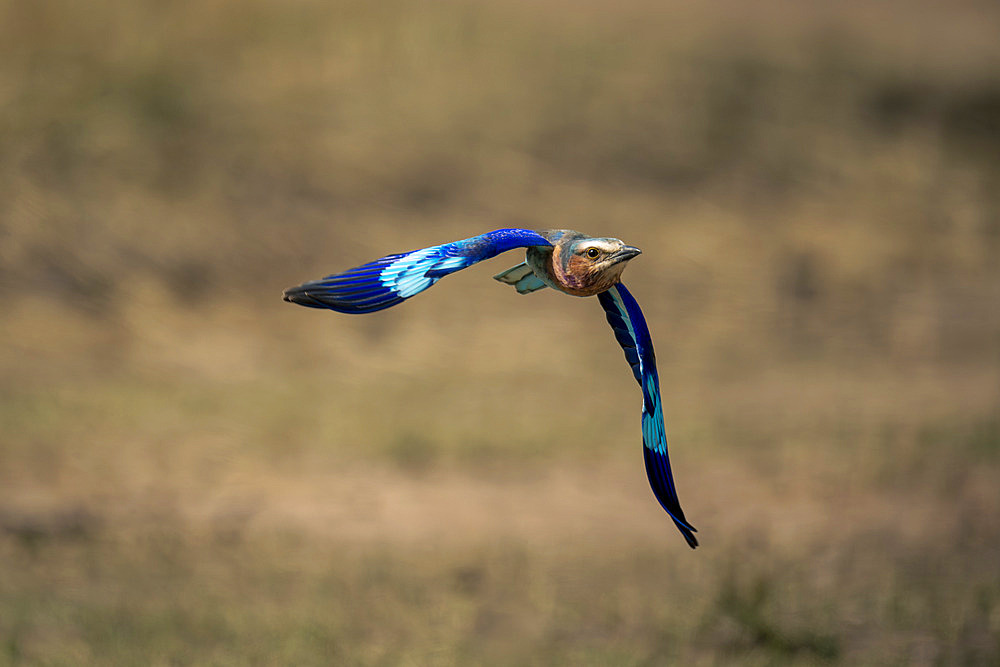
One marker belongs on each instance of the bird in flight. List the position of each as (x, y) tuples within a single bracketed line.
[(562, 259)]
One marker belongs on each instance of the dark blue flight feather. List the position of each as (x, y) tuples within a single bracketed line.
[(629, 325)]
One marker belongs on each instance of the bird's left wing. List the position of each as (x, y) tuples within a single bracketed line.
[(629, 325), (395, 278)]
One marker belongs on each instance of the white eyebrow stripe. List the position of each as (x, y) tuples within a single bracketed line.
[(600, 244)]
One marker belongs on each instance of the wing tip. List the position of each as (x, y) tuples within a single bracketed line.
[(686, 529), (300, 296), (688, 532), (312, 295)]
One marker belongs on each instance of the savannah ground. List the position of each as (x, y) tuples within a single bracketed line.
[(194, 472)]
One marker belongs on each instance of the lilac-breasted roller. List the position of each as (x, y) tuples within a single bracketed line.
[(562, 259)]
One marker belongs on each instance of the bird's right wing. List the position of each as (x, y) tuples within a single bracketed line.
[(395, 278), (629, 325)]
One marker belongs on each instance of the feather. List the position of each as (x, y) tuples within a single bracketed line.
[(514, 274), (629, 325), (522, 277), (529, 284), (392, 279)]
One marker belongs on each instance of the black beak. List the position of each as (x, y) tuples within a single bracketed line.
[(626, 253)]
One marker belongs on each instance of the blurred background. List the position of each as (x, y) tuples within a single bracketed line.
[(192, 471)]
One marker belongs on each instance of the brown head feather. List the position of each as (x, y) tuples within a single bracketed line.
[(578, 264)]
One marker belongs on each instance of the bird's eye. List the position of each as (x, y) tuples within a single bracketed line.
[(593, 253)]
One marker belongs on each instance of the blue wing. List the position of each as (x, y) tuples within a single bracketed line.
[(629, 325), (395, 278)]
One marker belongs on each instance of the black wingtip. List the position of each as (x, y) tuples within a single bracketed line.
[(300, 296), (291, 294), (688, 533), (687, 530), (326, 296), (294, 295)]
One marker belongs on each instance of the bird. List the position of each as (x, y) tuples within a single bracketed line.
[(561, 259)]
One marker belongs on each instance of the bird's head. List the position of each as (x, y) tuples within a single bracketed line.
[(585, 265)]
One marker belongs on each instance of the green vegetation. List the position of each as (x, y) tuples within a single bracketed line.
[(193, 472)]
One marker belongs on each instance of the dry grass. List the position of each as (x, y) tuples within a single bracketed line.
[(192, 471)]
